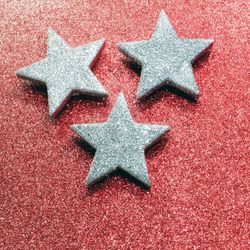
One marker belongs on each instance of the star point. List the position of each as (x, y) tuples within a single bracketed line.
[(119, 144), (166, 59)]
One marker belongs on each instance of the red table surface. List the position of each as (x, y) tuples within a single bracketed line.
[(199, 171)]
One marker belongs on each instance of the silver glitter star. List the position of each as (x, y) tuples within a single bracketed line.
[(66, 71), (166, 59), (119, 144)]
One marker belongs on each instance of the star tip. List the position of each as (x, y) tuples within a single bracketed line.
[(146, 184), (101, 93), (140, 96), (120, 44), (52, 33), (89, 183), (102, 42), (75, 127), (121, 94), (163, 129), (196, 98), (209, 42), (50, 30), (72, 126), (19, 72), (121, 97), (104, 94), (138, 99), (167, 128), (196, 95), (162, 12), (22, 73), (121, 47), (52, 115), (104, 39)]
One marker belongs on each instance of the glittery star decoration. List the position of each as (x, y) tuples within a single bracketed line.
[(166, 59), (66, 71), (119, 144)]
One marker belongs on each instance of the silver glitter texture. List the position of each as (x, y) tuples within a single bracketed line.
[(65, 71), (166, 59), (119, 144)]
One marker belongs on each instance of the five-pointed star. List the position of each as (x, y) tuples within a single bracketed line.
[(119, 144), (166, 59), (65, 71)]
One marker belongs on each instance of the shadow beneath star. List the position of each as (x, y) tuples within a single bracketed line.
[(35, 87), (84, 145)]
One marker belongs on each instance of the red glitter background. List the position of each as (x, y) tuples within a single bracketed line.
[(199, 171)]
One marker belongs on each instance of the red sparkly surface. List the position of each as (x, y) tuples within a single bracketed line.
[(199, 171)]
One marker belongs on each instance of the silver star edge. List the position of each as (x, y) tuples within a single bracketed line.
[(66, 71), (166, 59), (119, 144)]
